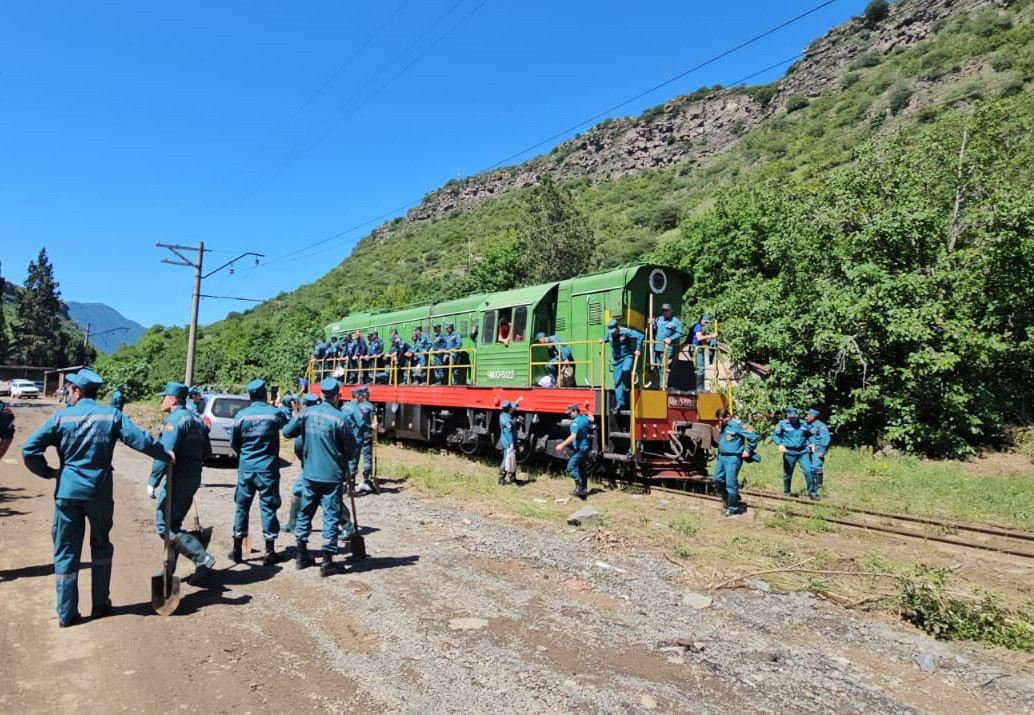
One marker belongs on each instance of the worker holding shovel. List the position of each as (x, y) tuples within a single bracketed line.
[(184, 434)]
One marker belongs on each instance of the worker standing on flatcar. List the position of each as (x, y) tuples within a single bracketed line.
[(318, 350), (453, 343), (703, 345), (578, 440), (417, 356), (667, 331), (735, 444), (399, 362), (355, 360), (625, 346), (792, 437), (439, 344), (818, 445)]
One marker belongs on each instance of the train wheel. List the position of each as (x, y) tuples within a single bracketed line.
[(470, 448)]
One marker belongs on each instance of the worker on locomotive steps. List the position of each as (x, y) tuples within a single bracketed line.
[(625, 345), (84, 435), (185, 435), (667, 331), (256, 440), (792, 437), (328, 445), (735, 444)]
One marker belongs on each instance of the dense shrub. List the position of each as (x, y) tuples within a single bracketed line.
[(795, 102), (875, 12)]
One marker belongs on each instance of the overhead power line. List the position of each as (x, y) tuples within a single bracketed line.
[(639, 95)]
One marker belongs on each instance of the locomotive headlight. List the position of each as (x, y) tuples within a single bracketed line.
[(658, 280)]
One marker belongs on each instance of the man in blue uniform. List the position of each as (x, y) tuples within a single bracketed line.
[(328, 444), (399, 361), (453, 343), (84, 436), (508, 467), (308, 400), (735, 443), (6, 427), (792, 437), (195, 403), (625, 346), (557, 352), (578, 440), (371, 361), (703, 345), (255, 437), (319, 349), (439, 344), (356, 354), (362, 417), (118, 397), (667, 331), (818, 445), (185, 435), (417, 356)]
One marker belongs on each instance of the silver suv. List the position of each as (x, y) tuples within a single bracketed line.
[(218, 414)]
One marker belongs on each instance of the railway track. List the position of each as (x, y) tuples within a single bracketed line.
[(973, 536)]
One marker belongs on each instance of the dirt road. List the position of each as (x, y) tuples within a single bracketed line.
[(454, 612)]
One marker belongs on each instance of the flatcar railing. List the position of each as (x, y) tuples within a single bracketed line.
[(386, 369)]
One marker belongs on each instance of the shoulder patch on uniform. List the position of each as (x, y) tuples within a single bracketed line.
[(168, 427)]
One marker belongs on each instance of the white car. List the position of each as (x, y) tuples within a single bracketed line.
[(24, 388)]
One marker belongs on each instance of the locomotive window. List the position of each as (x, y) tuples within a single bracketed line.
[(505, 326), (488, 334), (520, 323), (658, 280)]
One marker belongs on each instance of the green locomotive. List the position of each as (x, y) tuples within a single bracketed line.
[(666, 433)]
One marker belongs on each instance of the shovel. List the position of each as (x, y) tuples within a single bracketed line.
[(357, 542), (165, 586), (201, 533)]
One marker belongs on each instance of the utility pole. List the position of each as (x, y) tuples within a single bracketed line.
[(86, 336), (196, 299)]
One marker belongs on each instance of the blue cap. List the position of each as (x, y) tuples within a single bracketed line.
[(256, 386), (539, 336), (364, 390), (356, 391), (329, 385), (666, 306), (176, 389), (506, 403), (572, 408), (333, 338), (437, 326), (194, 390), (612, 323), (791, 412), (310, 399), (813, 412), (86, 379), (705, 318), (450, 326)]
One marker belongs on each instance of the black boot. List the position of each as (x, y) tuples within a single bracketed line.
[(270, 559), (511, 478), (304, 560), (502, 477), (327, 567), (372, 481), (235, 555)]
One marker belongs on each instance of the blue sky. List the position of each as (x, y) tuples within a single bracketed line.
[(268, 126)]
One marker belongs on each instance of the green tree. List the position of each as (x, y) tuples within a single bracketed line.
[(39, 339), (875, 12), (556, 241), (4, 344)]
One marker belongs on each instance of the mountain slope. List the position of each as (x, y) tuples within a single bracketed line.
[(108, 328)]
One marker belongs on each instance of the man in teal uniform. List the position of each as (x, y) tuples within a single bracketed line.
[(703, 344), (453, 358), (417, 356), (195, 403), (625, 345), (735, 444), (118, 397), (308, 400), (508, 467), (328, 444), (255, 437), (362, 417), (84, 435), (557, 353), (578, 440), (185, 435), (792, 437), (439, 344), (667, 331), (818, 445)]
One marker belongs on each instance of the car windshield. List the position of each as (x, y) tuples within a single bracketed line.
[(228, 406)]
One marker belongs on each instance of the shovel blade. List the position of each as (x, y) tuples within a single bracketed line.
[(165, 593), (358, 546), (203, 535)]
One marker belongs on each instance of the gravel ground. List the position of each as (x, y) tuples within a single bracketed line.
[(453, 612)]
